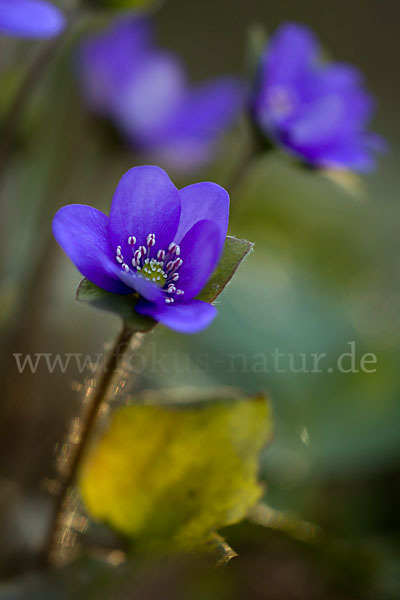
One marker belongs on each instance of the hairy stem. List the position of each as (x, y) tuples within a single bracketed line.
[(96, 400), (285, 522)]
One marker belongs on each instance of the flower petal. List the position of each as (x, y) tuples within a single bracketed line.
[(188, 317), (204, 114), (141, 285), (105, 62), (201, 250), (82, 232), (151, 98), (203, 201), (353, 153), (30, 18), (145, 201), (289, 54)]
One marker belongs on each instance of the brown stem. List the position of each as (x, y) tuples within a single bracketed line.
[(99, 395)]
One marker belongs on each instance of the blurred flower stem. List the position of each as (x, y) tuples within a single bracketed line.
[(253, 147), (286, 522), (96, 399), (27, 88)]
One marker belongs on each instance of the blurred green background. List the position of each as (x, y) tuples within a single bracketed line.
[(325, 272)]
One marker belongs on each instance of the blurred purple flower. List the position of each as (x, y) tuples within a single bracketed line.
[(144, 90), (30, 18), (158, 241), (318, 111)]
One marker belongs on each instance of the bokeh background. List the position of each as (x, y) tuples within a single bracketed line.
[(325, 272)]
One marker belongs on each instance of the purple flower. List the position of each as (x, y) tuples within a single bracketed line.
[(30, 18), (158, 241), (145, 92), (318, 111)]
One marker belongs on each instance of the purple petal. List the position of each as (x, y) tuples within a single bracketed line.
[(352, 153), (141, 285), (82, 232), (30, 18), (106, 62), (145, 201), (188, 317), (330, 117), (318, 122), (289, 54), (210, 108), (203, 116), (201, 250), (151, 98), (337, 77), (203, 201)]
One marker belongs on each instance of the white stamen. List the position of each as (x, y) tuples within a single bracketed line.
[(151, 240), (161, 255), (171, 247), (153, 268), (178, 263)]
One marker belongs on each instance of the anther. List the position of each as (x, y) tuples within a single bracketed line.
[(178, 262), (131, 240), (161, 255), (119, 259), (172, 247), (175, 277), (169, 300), (125, 267), (151, 240), (171, 289), (119, 251)]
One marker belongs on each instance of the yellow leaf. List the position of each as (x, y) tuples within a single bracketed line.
[(171, 474)]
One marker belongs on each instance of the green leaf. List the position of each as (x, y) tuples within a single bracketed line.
[(120, 304), (235, 251), (169, 474)]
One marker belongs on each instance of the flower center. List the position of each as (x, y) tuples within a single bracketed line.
[(159, 266), (281, 101)]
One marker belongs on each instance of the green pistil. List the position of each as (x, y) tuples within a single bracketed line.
[(153, 270)]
